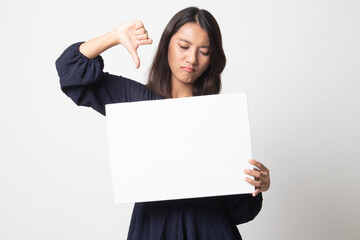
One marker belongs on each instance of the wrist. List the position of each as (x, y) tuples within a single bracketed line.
[(111, 39)]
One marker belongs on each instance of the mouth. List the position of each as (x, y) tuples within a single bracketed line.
[(189, 69)]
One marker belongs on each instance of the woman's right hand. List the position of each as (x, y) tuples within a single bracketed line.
[(132, 35), (129, 34)]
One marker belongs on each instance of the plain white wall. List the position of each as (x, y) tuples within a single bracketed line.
[(299, 62)]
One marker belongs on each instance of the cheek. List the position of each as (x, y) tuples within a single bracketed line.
[(205, 63), (171, 59), (173, 56)]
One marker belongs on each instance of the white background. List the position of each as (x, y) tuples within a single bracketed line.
[(299, 62)]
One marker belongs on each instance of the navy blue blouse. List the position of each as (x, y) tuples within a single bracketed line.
[(83, 80)]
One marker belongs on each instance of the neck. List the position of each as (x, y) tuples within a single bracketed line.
[(180, 90)]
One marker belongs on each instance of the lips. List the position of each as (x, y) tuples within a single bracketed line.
[(189, 69)]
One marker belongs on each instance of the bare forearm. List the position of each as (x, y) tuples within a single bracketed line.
[(130, 34), (96, 46)]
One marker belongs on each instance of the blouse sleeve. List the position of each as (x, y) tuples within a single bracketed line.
[(242, 208), (83, 80)]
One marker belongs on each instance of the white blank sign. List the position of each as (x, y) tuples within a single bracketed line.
[(179, 148)]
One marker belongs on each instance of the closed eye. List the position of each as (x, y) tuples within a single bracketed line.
[(205, 53), (183, 47)]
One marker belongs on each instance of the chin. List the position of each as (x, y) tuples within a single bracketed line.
[(188, 81)]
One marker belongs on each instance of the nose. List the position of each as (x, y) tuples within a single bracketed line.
[(192, 57)]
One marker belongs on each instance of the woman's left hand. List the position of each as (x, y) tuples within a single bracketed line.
[(261, 176)]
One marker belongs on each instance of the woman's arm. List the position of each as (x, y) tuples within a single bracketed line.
[(244, 207), (130, 34), (80, 68)]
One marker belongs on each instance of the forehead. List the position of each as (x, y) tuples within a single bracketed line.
[(192, 33)]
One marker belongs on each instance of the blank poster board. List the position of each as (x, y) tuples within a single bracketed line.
[(179, 148)]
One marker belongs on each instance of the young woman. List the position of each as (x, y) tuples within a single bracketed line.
[(188, 62)]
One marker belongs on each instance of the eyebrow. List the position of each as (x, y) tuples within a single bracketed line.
[(184, 40)]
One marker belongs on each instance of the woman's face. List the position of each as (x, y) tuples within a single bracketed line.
[(189, 53)]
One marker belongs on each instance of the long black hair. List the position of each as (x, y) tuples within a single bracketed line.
[(210, 81)]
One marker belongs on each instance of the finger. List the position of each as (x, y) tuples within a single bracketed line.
[(258, 176), (261, 174), (140, 31), (257, 191), (259, 165), (254, 173), (145, 42), (135, 57), (138, 24), (253, 182), (142, 37)]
